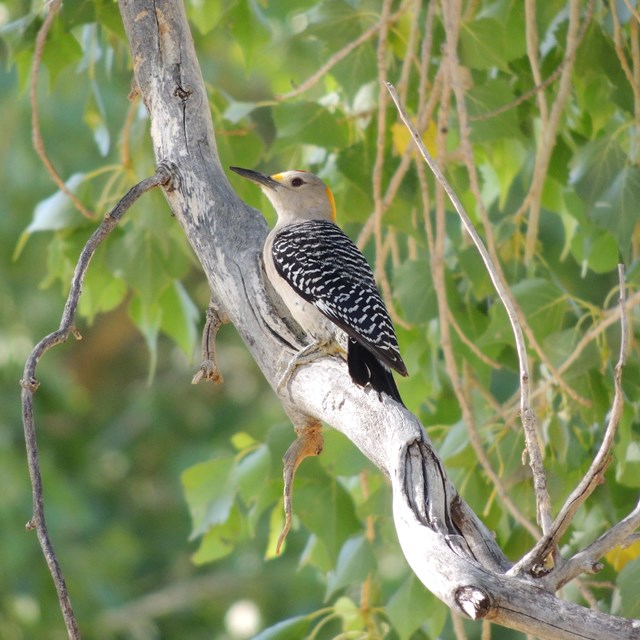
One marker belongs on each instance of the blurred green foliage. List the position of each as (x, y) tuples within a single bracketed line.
[(164, 499)]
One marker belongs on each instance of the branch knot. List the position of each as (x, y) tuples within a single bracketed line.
[(473, 601)]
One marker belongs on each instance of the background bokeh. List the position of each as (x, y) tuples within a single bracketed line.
[(163, 497)]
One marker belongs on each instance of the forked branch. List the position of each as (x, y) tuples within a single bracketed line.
[(595, 475)]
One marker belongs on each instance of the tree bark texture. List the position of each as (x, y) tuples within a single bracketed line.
[(445, 543)]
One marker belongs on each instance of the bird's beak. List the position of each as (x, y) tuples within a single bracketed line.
[(259, 178)]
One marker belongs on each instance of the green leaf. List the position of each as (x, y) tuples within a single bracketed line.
[(316, 555), (504, 160), (596, 249), (628, 469), (57, 211), (413, 287), (180, 317), (242, 440), (344, 458), (62, 254), (95, 118), (485, 98), (237, 111), (245, 22), (325, 508), (595, 166), (474, 270), (252, 472), (354, 564), (483, 44), (542, 303), (560, 345), (309, 123), (616, 209), (241, 147), (147, 317), (455, 448), (62, 52), (143, 263), (558, 437), (209, 488), (412, 607), (297, 627), (629, 586), (205, 14), (219, 540), (350, 614), (102, 291)]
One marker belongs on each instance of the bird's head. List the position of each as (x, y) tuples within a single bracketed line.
[(295, 195)]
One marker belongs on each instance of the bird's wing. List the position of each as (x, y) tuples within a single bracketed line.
[(322, 264)]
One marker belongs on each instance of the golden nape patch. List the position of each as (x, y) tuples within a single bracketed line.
[(333, 204)]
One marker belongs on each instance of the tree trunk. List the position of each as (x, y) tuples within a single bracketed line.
[(445, 543)]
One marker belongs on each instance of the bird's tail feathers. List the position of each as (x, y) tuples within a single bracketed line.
[(365, 368)]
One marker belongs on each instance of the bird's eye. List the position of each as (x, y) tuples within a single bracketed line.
[(296, 182)]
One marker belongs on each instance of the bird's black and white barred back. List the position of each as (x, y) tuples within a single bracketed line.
[(323, 265)]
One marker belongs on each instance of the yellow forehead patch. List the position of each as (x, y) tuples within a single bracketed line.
[(333, 204)]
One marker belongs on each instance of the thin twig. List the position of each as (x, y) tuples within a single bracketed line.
[(595, 475), (483, 459), (587, 560), (531, 34), (209, 367), (632, 10), (30, 384), (624, 63), (436, 257), (550, 130), (452, 21), (470, 344), (36, 133), (611, 317), (410, 53), (486, 630), (341, 55), (458, 627), (528, 418), (378, 166)]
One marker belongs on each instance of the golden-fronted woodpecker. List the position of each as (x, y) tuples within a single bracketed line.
[(324, 280)]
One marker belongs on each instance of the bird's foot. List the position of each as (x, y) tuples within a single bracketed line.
[(308, 443), (306, 356)]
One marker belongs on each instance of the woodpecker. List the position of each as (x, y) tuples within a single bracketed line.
[(325, 281)]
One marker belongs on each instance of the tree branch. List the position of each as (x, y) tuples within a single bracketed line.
[(595, 475), (30, 385)]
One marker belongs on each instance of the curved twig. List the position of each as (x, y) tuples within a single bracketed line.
[(30, 384), (341, 55), (36, 134)]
